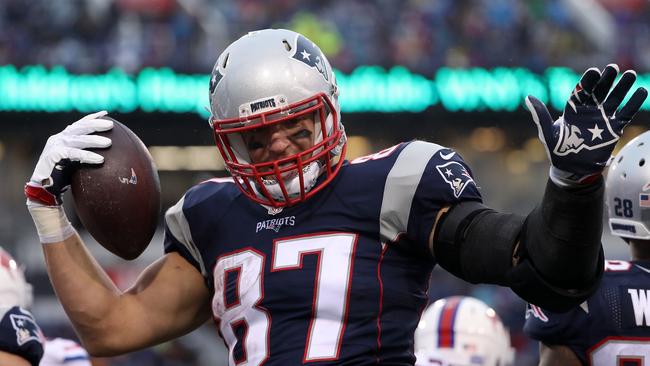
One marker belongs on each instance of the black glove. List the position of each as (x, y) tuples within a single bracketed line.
[(581, 141)]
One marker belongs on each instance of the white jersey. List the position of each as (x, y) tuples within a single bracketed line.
[(64, 352)]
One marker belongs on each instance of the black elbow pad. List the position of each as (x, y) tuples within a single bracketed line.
[(528, 283), (476, 243), (561, 259)]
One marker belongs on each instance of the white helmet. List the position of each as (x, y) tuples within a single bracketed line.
[(14, 289), (462, 331), (267, 77), (627, 190)]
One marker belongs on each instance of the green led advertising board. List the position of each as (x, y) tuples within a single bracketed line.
[(366, 89)]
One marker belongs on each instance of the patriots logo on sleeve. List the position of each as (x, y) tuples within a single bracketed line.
[(572, 139), (26, 329), (455, 174), (311, 55)]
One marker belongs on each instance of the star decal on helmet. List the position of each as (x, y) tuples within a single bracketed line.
[(308, 53), (215, 78)]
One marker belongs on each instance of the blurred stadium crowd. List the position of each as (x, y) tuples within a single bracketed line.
[(186, 35), (92, 36)]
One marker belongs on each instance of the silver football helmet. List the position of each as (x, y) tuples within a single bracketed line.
[(14, 289), (462, 331), (267, 77), (627, 190)]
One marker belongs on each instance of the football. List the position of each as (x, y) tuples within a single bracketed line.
[(118, 202)]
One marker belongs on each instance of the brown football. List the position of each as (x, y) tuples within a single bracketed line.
[(118, 202)]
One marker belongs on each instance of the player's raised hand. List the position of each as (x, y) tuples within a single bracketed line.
[(581, 141), (53, 171)]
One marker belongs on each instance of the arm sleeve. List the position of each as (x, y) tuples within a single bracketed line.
[(559, 253)]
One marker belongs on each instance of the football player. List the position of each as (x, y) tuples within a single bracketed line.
[(612, 326), (302, 256), (462, 331), (21, 339)]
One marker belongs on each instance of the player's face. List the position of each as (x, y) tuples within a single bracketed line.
[(280, 140)]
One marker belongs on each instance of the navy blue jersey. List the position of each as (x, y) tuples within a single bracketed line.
[(20, 335), (612, 326), (338, 279)]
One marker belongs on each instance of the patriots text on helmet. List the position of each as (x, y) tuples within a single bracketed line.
[(263, 104)]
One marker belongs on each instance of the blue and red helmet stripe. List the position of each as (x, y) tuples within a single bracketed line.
[(447, 321)]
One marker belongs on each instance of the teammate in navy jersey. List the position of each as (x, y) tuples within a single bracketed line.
[(612, 327), (302, 256), (21, 339)]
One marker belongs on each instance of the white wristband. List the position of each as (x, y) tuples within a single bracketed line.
[(51, 222)]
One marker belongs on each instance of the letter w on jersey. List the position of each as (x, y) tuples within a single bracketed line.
[(641, 305), (309, 53)]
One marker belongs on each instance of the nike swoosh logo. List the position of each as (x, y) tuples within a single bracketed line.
[(447, 156)]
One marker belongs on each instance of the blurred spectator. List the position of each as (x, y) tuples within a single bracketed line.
[(94, 35)]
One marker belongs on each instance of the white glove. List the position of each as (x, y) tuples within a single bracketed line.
[(53, 171), (61, 155)]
